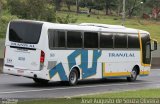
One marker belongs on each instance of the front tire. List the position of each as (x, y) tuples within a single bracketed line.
[(40, 81), (133, 75), (73, 78)]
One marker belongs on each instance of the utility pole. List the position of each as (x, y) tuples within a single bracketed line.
[(1, 8), (124, 12), (77, 6)]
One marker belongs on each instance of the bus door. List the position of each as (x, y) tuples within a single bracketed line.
[(146, 53)]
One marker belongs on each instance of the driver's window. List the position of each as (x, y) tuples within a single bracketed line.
[(148, 54)]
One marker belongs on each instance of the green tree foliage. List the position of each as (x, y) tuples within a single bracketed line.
[(69, 3), (5, 17), (2, 2), (4, 20), (155, 5), (107, 5), (66, 19), (32, 9), (2, 5), (57, 4), (133, 6)]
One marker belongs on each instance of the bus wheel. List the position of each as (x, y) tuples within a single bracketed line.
[(40, 81), (73, 77), (133, 75)]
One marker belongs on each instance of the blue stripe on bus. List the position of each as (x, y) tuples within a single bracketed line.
[(60, 70), (87, 72)]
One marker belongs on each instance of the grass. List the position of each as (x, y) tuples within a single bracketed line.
[(141, 94)]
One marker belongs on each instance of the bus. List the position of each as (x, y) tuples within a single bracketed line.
[(47, 51)]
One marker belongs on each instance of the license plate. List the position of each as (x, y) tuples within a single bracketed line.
[(20, 71)]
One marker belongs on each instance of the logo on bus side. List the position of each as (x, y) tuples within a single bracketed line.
[(87, 72), (23, 45), (121, 55)]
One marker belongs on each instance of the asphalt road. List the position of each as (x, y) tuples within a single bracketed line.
[(20, 87)]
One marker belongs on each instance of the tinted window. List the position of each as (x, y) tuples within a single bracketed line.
[(145, 39), (74, 39), (25, 32), (133, 41), (51, 38), (148, 51), (120, 41), (106, 40), (56, 39), (146, 48), (90, 40)]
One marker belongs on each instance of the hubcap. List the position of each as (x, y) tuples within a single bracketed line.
[(73, 77), (133, 74)]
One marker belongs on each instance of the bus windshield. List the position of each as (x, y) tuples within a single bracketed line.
[(25, 32)]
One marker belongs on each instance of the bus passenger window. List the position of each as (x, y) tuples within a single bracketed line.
[(120, 41), (74, 39), (106, 40), (50, 38), (60, 39), (56, 39), (133, 41), (90, 40)]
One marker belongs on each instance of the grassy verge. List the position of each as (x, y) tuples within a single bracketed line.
[(138, 94)]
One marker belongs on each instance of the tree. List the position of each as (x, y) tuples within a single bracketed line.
[(57, 4), (109, 5), (5, 18), (33, 9), (69, 3), (132, 6), (2, 4), (119, 6), (17, 7), (155, 7), (90, 4)]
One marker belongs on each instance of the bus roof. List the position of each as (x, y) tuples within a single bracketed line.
[(94, 27)]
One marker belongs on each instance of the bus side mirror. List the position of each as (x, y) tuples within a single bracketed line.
[(154, 45)]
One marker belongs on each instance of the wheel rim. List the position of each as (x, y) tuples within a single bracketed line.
[(133, 74), (73, 77)]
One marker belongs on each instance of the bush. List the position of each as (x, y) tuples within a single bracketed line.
[(66, 19), (4, 20)]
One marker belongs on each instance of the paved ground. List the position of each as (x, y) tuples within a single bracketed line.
[(19, 87)]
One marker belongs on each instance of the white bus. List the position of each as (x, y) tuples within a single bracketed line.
[(65, 52)]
